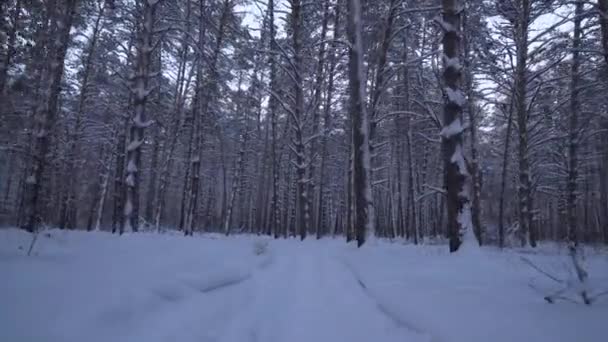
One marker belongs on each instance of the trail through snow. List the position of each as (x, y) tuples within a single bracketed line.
[(311, 296), (98, 287)]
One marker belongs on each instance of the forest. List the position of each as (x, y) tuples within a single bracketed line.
[(421, 120)]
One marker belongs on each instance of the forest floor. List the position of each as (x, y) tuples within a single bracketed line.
[(79, 286)]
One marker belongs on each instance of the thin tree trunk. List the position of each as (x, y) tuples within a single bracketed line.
[(240, 162), (72, 164), (573, 126), (503, 179), (102, 200), (472, 113), (525, 186), (206, 93), (316, 101), (321, 222), (603, 16), (119, 172)]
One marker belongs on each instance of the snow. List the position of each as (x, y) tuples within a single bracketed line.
[(456, 96), (134, 145), (453, 62), (80, 286), (455, 127), (131, 167)]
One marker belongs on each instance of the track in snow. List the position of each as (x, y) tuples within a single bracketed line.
[(306, 296)]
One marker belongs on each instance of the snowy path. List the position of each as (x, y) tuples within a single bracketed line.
[(311, 296), (98, 287)]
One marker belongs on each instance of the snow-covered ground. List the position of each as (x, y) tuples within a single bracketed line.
[(79, 286)]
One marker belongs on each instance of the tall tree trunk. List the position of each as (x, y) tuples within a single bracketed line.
[(503, 178), (411, 225), (316, 102), (272, 107), (240, 162), (182, 88), (472, 113), (47, 112), (321, 222), (151, 195), (603, 16), (525, 186), (457, 178), (379, 87), (207, 90), (72, 163), (141, 92), (362, 190), (302, 214), (119, 172), (573, 126)]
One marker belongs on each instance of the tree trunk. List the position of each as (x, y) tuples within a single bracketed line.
[(472, 113), (302, 214), (525, 186), (141, 92), (603, 16), (503, 179), (207, 89), (119, 172), (321, 222), (362, 190), (240, 162), (47, 111), (272, 106), (457, 179), (316, 101), (73, 157), (102, 200), (573, 126)]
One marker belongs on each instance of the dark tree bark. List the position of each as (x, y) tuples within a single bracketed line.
[(46, 112), (472, 114), (457, 179), (141, 92), (503, 178), (69, 207), (363, 213), (316, 102), (321, 215), (303, 203), (275, 221), (573, 126), (521, 109)]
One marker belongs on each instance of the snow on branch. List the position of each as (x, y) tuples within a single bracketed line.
[(140, 124), (455, 96), (454, 128), (134, 145)]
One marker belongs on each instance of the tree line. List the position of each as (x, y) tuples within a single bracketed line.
[(419, 119)]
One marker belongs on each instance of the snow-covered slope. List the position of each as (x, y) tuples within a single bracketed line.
[(80, 286)]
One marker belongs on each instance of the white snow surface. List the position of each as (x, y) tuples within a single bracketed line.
[(79, 286)]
